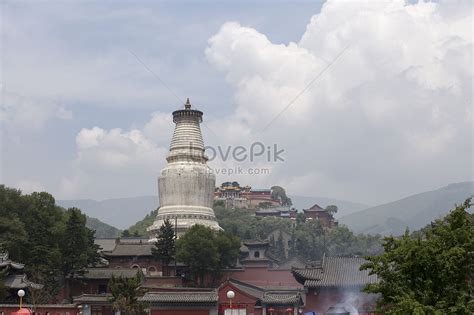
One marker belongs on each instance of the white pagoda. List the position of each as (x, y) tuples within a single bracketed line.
[(186, 185)]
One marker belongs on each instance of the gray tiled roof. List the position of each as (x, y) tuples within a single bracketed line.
[(336, 272), (88, 298), (6, 262), (268, 294), (106, 244), (294, 262), (255, 243), (249, 289), (131, 249), (315, 207), (20, 282), (312, 273), (209, 297), (106, 273), (281, 298)]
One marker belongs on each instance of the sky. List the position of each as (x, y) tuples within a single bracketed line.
[(367, 101)]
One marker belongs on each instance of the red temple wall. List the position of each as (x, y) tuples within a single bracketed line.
[(129, 262), (241, 300), (8, 309)]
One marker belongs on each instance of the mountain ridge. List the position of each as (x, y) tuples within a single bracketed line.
[(412, 212)]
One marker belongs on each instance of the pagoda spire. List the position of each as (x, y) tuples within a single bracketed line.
[(188, 104)]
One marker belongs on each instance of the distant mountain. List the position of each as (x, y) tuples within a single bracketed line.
[(119, 212), (345, 207), (124, 212), (102, 230), (413, 212)]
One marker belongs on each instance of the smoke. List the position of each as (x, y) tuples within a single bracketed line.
[(350, 302)]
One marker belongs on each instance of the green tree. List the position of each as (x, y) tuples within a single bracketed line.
[(264, 205), (141, 226), (332, 209), (77, 244), (428, 272), (300, 218), (164, 249), (341, 242), (38, 233), (125, 293), (308, 240), (46, 227), (126, 233), (228, 248), (280, 247), (219, 203), (279, 192), (198, 250), (204, 251)]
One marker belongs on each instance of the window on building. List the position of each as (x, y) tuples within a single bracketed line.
[(136, 267), (256, 254), (102, 289)]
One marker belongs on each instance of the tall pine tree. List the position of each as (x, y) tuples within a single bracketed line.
[(164, 249), (77, 246)]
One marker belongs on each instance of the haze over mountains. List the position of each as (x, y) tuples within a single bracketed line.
[(124, 212), (344, 207), (413, 212), (118, 212)]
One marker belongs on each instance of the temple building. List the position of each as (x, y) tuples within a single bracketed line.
[(186, 185), (14, 278), (235, 196), (322, 215), (334, 286)]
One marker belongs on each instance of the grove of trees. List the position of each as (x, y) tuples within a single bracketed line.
[(52, 242), (308, 239), (207, 253), (428, 272)]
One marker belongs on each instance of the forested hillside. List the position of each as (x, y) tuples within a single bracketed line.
[(102, 229), (53, 243)]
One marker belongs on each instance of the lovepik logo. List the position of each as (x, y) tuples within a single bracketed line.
[(256, 151)]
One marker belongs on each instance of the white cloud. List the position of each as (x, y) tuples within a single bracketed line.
[(116, 150), (387, 119), (108, 158), (20, 113), (29, 186), (159, 128), (392, 106)]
